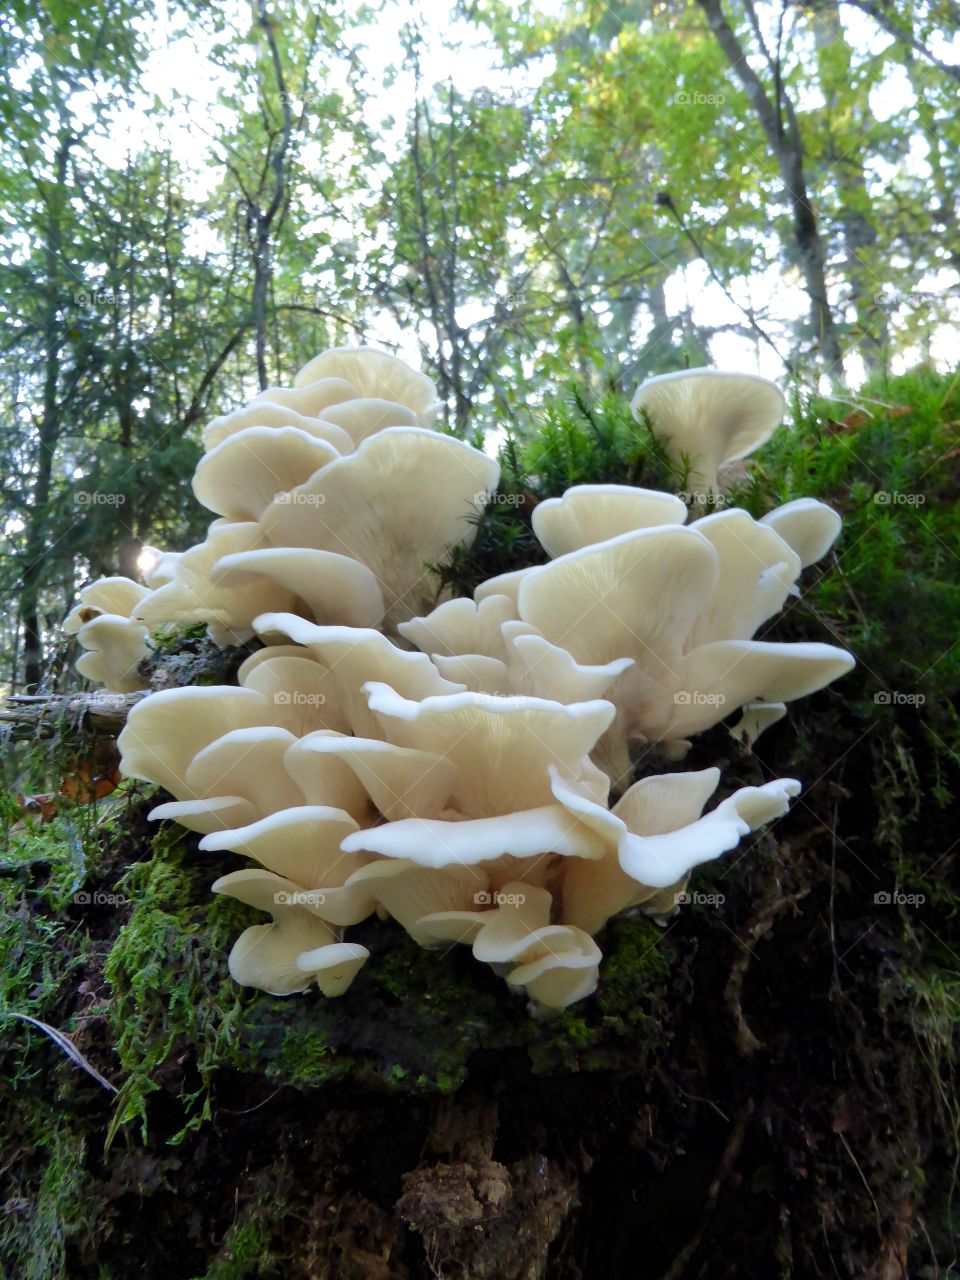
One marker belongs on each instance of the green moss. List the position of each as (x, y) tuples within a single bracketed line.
[(171, 989)]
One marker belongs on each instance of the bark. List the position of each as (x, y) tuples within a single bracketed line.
[(778, 119), (51, 419), (859, 227)]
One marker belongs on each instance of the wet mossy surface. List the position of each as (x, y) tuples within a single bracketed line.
[(765, 1085)]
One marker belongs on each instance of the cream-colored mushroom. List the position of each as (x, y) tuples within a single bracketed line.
[(336, 589), (302, 845), (261, 414), (115, 595), (376, 375), (192, 597), (398, 505), (365, 417), (589, 513), (297, 949), (807, 525), (242, 476), (164, 732), (720, 677), (709, 417), (408, 892), (115, 648), (356, 655), (757, 570)]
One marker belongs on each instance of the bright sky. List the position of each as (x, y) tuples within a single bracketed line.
[(181, 75)]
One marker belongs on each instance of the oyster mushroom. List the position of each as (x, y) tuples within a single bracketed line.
[(709, 417)]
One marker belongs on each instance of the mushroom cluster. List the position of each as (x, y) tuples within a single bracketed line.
[(465, 767)]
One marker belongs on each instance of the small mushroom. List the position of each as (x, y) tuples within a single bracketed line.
[(589, 513), (376, 375), (807, 525), (709, 417), (296, 949)]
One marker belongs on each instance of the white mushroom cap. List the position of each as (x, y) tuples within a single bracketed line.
[(191, 597), (219, 813), (637, 595), (722, 676), (115, 648), (163, 568), (248, 763), (504, 584), (502, 748), (710, 416), (309, 401), (757, 717), (398, 505), (375, 374), (365, 417), (400, 781), (660, 861), (589, 513), (476, 672), (757, 570), (335, 588), (354, 656), (559, 979), (807, 525), (164, 732), (242, 476), (473, 842), (261, 414), (303, 695), (116, 595), (317, 767), (409, 892), (461, 626), (541, 669), (302, 845), (298, 948), (595, 891), (557, 964)]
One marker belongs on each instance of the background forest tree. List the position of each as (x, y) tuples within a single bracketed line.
[(194, 200)]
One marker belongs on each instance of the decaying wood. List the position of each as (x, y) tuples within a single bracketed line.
[(96, 712)]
